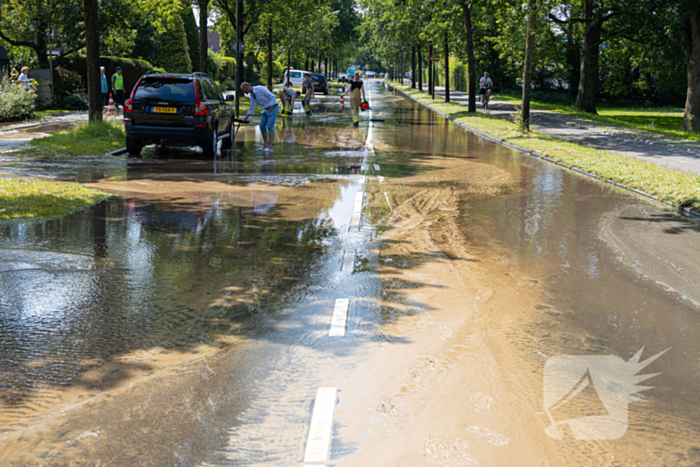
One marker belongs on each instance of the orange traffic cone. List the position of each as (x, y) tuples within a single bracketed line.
[(110, 107), (342, 103)]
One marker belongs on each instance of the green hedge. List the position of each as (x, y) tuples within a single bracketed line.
[(133, 69)]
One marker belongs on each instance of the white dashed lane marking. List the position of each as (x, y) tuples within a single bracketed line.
[(319, 441), (340, 317), (357, 211), (348, 261)]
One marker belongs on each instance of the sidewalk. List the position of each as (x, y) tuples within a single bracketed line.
[(680, 155)]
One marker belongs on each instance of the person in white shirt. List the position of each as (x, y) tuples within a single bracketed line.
[(485, 85), (262, 96), (23, 79)]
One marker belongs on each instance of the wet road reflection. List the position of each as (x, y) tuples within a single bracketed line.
[(187, 317)]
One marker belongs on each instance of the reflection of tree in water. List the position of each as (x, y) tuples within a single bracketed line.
[(170, 277)]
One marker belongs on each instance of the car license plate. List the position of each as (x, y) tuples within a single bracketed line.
[(164, 110)]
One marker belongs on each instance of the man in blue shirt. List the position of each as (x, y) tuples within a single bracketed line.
[(262, 96)]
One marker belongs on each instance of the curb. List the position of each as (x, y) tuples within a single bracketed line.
[(683, 211), (116, 152)]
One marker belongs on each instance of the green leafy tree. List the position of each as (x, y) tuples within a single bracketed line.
[(173, 52), (192, 33)]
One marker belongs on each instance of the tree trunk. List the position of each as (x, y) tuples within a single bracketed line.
[(325, 66), (306, 65), (413, 67), (527, 73), (588, 86), (471, 60), (92, 48), (203, 39), (573, 58), (430, 70), (269, 57), (420, 70), (691, 117), (447, 71), (289, 65)]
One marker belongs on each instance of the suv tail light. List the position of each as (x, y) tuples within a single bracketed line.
[(128, 111), (201, 109)]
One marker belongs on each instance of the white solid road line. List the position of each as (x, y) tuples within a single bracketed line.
[(357, 210), (340, 317), (319, 441), (349, 261)]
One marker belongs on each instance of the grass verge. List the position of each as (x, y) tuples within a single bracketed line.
[(666, 121), (34, 198), (83, 140), (669, 186)]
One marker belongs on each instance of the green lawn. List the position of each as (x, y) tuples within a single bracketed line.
[(82, 140), (673, 187), (33, 198), (666, 121)]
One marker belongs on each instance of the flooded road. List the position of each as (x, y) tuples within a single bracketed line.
[(394, 295)]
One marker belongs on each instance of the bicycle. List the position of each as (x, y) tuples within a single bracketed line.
[(485, 99)]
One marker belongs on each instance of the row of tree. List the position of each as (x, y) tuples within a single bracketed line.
[(642, 50), (165, 33)]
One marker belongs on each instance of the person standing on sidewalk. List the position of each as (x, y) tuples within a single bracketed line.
[(263, 97), (309, 85), (118, 87), (104, 87), (356, 88)]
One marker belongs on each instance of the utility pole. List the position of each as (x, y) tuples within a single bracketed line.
[(239, 65), (447, 71)]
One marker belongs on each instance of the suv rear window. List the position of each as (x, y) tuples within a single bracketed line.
[(166, 89), (295, 74), (319, 78)]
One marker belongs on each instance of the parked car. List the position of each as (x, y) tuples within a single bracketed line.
[(320, 83), (177, 109), (407, 75), (296, 77), (343, 77), (370, 74)]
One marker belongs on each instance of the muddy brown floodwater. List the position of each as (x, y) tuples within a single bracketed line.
[(185, 320)]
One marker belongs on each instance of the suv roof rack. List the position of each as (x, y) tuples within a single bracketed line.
[(199, 73), (149, 72)]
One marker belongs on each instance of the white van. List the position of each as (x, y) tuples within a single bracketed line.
[(296, 77)]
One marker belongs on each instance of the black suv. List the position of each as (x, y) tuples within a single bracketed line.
[(320, 83), (177, 109)]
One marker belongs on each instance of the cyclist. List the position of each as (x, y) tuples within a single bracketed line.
[(485, 85)]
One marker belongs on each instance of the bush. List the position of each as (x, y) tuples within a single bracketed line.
[(65, 82), (73, 101), (16, 102), (459, 79), (213, 64), (228, 66), (228, 85)]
